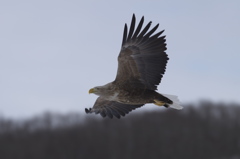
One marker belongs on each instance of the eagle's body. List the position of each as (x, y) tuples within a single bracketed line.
[(130, 95), (141, 65)]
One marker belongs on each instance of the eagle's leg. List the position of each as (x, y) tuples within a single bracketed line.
[(160, 103)]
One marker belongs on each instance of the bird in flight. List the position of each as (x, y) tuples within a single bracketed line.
[(141, 64)]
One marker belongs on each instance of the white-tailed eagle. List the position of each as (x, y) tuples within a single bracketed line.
[(141, 65)]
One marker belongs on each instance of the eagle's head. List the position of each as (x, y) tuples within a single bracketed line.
[(96, 90), (104, 90)]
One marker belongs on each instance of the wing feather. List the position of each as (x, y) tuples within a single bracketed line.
[(139, 27), (144, 30), (103, 112), (131, 28), (124, 34), (151, 32)]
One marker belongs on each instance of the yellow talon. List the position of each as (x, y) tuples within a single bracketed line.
[(158, 103)]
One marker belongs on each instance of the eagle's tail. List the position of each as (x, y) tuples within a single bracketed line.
[(176, 103)]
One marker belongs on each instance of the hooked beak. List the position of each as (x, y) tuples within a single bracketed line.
[(91, 90)]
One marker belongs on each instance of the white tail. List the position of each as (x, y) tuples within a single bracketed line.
[(176, 102)]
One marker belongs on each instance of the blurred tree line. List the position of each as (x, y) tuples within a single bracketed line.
[(200, 131)]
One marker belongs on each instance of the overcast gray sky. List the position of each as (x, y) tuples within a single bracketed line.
[(53, 51)]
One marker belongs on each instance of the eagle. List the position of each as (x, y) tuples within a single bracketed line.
[(141, 64)]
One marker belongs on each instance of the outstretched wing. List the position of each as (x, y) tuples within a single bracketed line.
[(142, 59), (111, 108)]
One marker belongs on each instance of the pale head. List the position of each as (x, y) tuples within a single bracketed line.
[(101, 90), (96, 90)]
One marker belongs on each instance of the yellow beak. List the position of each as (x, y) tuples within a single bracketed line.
[(91, 90)]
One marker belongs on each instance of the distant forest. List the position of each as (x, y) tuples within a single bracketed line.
[(200, 131)]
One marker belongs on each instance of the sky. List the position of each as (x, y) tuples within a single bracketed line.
[(53, 51)]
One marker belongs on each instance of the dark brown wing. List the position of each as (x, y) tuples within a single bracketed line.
[(142, 59), (111, 108)]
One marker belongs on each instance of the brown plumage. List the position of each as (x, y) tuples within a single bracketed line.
[(141, 65)]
